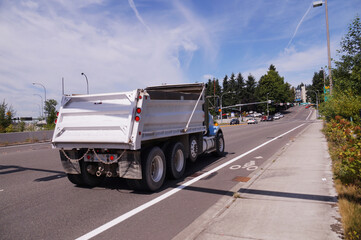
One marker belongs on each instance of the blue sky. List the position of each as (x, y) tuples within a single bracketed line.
[(128, 44)]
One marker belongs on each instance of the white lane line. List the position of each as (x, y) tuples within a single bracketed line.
[(141, 208), (309, 115)]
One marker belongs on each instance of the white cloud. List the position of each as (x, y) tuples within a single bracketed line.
[(208, 76), (45, 41)]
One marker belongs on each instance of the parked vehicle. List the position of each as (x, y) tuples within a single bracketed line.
[(270, 118), (279, 115), (141, 135), (276, 117), (252, 121), (234, 121), (263, 118)]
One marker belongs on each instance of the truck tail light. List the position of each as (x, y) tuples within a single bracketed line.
[(139, 110), (137, 118)]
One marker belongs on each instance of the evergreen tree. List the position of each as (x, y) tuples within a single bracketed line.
[(230, 97), (240, 91), (250, 89), (273, 84)]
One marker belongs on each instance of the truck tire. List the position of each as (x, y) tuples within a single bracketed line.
[(193, 148), (176, 163), (219, 144), (89, 179), (153, 171), (75, 179)]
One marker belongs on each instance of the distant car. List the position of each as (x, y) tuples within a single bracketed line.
[(234, 121), (263, 118), (279, 115), (270, 118), (276, 117), (252, 121)]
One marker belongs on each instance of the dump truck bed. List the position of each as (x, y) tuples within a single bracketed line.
[(109, 120)]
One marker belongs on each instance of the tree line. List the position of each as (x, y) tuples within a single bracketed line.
[(7, 116), (238, 90)]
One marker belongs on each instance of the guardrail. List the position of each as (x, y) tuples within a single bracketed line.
[(23, 137)]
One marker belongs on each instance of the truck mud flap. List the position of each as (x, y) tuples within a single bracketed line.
[(70, 167), (130, 165)]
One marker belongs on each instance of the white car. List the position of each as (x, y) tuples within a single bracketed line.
[(279, 114), (252, 121)]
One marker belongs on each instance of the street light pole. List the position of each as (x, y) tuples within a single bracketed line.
[(318, 4), (34, 83), (42, 107), (328, 49), (87, 84)]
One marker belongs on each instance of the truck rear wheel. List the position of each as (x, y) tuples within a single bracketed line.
[(193, 148), (153, 171), (176, 163)]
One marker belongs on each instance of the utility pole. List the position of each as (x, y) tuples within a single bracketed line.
[(318, 4)]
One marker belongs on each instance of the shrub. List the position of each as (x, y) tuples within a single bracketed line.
[(345, 104), (346, 138)]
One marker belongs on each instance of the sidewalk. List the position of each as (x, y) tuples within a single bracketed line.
[(292, 198)]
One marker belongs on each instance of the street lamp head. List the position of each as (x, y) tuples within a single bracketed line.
[(82, 73), (317, 4)]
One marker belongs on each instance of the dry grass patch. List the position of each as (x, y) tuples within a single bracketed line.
[(349, 200)]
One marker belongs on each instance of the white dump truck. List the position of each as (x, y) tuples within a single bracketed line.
[(142, 135)]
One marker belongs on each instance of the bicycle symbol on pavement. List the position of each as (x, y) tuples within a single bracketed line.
[(249, 166)]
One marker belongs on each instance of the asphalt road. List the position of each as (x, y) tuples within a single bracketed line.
[(38, 202)]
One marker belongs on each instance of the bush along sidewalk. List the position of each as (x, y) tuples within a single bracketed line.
[(344, 140)]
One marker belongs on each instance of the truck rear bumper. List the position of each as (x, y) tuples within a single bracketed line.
[(128, 166)]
